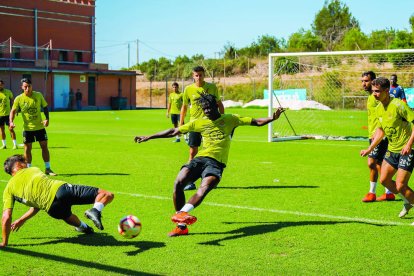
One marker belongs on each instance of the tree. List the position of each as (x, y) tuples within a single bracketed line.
[(304, 41), (411, 20), (382, 39), (354, 40), (230, 51), (403, 40), (332, 22)]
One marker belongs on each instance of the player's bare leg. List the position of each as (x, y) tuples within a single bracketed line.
[(80, 226)]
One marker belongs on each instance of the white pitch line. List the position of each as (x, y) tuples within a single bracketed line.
[(355, 219)]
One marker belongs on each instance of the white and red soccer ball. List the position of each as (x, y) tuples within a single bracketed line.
[(129, 227)]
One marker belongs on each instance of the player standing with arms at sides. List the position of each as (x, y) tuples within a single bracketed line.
[(210, 161), (396, 90), (29, 104), (191, 93), (395, 121), (6, 97), (376, 157), (31, 187), (175, 101)]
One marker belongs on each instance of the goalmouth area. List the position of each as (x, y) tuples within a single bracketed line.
[(331, 82)]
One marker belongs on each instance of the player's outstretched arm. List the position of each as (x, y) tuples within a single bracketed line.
[(15, 226), (163, 134), (265, 121), (378, 135), (6, 226)]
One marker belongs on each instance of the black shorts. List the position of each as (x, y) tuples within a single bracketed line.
[(35, 135), (204, 166), (175, 119), (68, 195), (399, 161), (379, 151), (194, 139), (4, 120)]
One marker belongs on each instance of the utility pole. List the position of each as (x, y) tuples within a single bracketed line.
[(129, 47), (137, 51)]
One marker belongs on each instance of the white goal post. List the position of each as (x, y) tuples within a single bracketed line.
[(323, 93)]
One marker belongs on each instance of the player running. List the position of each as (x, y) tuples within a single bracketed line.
[(210, 161), (395, 121), (33, 188)]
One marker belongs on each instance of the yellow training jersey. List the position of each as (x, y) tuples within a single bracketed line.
[(31, 107), (31, 187), (216, 134)]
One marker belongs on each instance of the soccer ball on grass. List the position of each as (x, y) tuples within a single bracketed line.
[(129, 227)]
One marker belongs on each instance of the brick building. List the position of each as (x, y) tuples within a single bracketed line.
[(53, 43)]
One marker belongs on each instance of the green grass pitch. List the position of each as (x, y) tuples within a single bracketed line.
[(281, 208)]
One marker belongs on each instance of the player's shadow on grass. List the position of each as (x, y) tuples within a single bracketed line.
[(268, 187), (76, 262), (76, 174), (102, 239), (265, 227)]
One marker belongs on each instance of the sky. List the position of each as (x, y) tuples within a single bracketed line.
[(170, 28)]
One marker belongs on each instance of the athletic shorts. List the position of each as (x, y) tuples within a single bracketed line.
[(175, 118), (204, 166), (35, 135), (194, 139), (399, 161), (4, 120), (379, 151), (68, 195)]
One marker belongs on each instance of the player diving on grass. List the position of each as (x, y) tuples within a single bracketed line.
[(31, 187), (395, 121), (210, 161)]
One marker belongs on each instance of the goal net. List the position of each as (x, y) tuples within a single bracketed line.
[(322, 91)]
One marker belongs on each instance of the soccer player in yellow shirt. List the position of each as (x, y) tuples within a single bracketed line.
[(31, 187), (395, 121), (210, 161), (6, 97), (29, 104), (175, 101), (376, 157), (191, 93)]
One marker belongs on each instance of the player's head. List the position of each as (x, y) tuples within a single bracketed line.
[(198, 74), (380, 88), (393, 79), (175, 86), (1, 84), (366, 79), (14, 163), (26, 84), (209, 105)]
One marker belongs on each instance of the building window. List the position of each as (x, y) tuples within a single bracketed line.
[(78, 57), (63, 55), (16, 52)]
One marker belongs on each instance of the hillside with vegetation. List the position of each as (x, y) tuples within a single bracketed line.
[(239, 72)]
